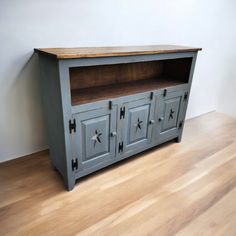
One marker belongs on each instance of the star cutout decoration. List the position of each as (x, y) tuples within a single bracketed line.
[(96, 137), (138, 125), (171, 114)]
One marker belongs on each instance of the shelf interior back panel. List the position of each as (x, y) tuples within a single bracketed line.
[(93, 94), (94, 83)]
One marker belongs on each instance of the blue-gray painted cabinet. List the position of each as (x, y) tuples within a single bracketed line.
[(102, 105)]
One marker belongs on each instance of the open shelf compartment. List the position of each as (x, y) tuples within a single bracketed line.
[(94, 83)]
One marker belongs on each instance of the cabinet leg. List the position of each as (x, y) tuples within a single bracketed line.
[(178, 139), (53, 167), (69, 184)]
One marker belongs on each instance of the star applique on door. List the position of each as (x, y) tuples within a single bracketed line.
[(96, 137), (171, 114), (138, 125)]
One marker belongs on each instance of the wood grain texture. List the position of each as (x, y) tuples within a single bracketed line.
[(186, 188), (93, 76), (94, 83), (93, 94), (87, 52)]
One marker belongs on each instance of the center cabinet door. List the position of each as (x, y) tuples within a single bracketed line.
[(136, 126), (93, 140)]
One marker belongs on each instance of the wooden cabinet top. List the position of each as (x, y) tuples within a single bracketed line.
[(88, 52)]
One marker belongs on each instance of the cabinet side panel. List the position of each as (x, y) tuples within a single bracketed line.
[(51, 97), (184, 110)]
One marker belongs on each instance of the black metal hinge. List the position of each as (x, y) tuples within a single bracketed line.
[(122, 112), (110, 105), (181, 124), (185, 96), (74, 164), (165, 92), (120, 149), (72, 126), (151, 95)]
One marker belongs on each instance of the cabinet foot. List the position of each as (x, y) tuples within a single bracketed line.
[(53, 167), (69, 184), (178, 139)]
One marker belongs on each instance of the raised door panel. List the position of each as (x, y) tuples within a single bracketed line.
[(96, 139), (169, 114), (93, 142), (137, 125)]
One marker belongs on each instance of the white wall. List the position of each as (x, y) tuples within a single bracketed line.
[(27, 24), (227, 38)]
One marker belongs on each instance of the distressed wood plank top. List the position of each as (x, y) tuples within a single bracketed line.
[(88, 52)]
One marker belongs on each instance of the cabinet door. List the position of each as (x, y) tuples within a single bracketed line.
[(169, 115), (93, 140), (137, 124)]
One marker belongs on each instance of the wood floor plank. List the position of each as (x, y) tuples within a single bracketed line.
[(219, 220), (165, 191), (203, 168), (171, 211)]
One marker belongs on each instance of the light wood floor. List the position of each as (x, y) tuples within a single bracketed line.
[(177, 189)]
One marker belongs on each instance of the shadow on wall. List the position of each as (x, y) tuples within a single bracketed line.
[(24, 113)]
